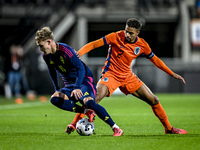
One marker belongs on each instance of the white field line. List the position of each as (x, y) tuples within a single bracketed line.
[(24, 105)]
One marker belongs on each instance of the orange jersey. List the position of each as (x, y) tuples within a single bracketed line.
[(121, 53)]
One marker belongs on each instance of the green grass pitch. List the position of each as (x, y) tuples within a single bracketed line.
[(36, 125)]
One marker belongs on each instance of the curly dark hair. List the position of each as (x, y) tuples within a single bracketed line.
[(134, 23)]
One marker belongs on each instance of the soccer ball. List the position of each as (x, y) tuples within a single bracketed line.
[(84, 127)]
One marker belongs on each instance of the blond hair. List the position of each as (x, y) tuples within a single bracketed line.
[(43, 34)]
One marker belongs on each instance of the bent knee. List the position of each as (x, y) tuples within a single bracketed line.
[(60, 94), (155, 101), (87, 99), (56, 94), (54, 100)]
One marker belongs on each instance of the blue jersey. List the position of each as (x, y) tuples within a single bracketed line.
[(71, 69)]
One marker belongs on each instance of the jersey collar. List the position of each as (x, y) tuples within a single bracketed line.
[(134, 41), (57, 46)]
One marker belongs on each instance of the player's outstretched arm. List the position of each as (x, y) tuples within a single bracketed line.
[(90, 46), (177, 76), (161, 65)]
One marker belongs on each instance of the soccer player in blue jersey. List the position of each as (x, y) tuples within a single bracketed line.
[(77, 77)]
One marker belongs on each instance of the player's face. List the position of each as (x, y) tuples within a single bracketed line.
[(45, 46), (130, 34)]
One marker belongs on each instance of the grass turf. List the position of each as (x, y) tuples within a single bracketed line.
[(40, 125)]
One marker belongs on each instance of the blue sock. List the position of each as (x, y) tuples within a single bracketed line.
[(68, 105), (100, 111)]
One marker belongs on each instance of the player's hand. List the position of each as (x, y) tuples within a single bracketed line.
[(176, 76), (77, 93), (78, 54)]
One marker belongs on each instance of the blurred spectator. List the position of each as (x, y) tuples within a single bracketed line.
[(2, 74), (16, 76)]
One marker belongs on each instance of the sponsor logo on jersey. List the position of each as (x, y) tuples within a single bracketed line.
[(137, 50), (61, 68), (105, 79), (62, 59), (51, 62)]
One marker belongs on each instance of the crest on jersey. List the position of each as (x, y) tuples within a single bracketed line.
[(105, 79), (137, 50), (62, 59)]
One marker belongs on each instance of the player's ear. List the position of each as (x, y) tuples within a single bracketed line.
[(138, 32), (48, 41)]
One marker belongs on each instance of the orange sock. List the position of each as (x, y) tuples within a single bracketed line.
[(162, 116), (77, 118)]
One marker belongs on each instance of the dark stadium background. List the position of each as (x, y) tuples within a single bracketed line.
[(163, 20)]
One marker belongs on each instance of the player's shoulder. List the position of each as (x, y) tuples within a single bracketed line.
[(120, 33), (144, 46), (115, 36), (63, 47), (117, 33), (142, 41)]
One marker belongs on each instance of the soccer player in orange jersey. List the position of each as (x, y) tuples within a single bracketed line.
[(124, 46)]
